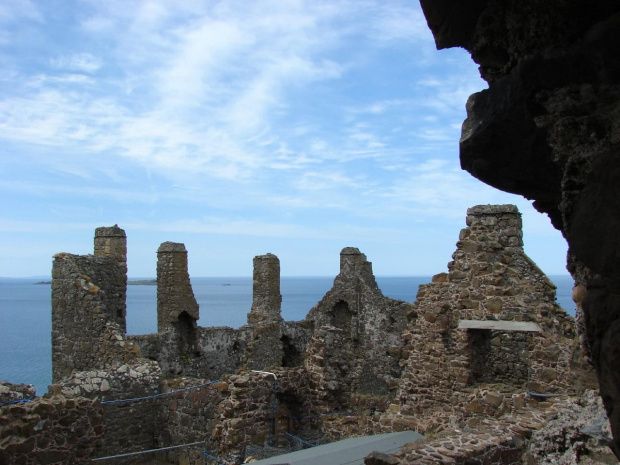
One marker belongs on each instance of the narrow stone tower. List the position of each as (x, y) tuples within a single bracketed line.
[(266, 300), (176, 305), (111, 242)]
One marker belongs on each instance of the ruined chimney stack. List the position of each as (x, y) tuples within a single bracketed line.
[(174, 290), (266, 300), (111, 242), (502, 223)]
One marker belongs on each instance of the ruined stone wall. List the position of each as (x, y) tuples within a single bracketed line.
[(490, 279), (370, 325), (245, 415), (85, 335), (52, 430), (189, 416), (10, 392)]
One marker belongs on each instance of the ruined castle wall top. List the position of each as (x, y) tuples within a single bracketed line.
[(175, 296)]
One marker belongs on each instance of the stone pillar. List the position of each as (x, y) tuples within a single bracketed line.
[(175, 297), (267, 300), (112, 242)]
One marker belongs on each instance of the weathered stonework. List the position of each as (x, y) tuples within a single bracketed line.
[(112, 242), (177, 308), (463, 357), (490, 279), (266, 297), (370, 326), (50, 430), (548, 128), (84, 312)]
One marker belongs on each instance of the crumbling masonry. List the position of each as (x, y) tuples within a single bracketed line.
[(471, 347)]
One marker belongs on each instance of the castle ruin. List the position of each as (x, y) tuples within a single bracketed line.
[(484, 342)]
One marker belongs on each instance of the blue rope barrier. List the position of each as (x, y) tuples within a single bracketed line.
[(213, 457), (162, 394), (330, 414), (16, 401), (538, 394), (297, 438)]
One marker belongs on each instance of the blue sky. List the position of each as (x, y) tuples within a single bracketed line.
[(238, 128)]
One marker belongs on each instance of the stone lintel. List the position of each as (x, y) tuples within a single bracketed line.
[(528, 326)]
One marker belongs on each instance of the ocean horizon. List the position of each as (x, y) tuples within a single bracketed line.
[(25, 312)]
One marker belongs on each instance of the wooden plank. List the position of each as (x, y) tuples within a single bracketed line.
[(500, 325)]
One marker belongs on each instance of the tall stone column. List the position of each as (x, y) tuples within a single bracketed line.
[(175, 298), (266, 300), (111, 242)]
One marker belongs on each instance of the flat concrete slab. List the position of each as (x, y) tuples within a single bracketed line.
[(500, 325), (348, 451)]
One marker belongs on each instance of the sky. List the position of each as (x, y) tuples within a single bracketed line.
[(238, 128)]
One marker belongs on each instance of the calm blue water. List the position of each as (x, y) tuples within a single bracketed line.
[(25, 313)]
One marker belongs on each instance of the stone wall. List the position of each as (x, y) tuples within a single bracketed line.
[(370, 324), (490, 280), (85, 332), (53, 430), (11, 392), (245, 415)]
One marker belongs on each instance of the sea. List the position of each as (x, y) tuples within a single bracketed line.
[(25, 312)]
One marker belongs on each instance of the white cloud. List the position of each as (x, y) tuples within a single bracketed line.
[(289, 114), (84, 62)]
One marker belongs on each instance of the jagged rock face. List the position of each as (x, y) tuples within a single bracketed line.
[(548, 128)]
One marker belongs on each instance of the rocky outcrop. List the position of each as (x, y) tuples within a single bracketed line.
[(579, 434), (548, 128)]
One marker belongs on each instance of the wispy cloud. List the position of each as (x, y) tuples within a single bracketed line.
[(304, 119), (84, 62)]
